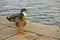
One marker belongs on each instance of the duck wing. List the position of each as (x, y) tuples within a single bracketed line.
[(12, 17)]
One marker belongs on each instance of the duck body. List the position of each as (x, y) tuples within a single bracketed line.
[(20, 21)]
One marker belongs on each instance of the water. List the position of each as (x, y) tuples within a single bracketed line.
[(42, 11)]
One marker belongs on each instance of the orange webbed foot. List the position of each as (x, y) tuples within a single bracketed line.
[(18, 33), (23, 33)]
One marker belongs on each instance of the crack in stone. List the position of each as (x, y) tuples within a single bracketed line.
[(26, 31), (31, 32), (9, 37), (36, 38), (41, 35), (6, 26)]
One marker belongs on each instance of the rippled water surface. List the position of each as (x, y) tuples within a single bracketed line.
[(42, 11)]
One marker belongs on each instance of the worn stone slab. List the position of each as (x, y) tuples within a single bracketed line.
[(31, 36), (7, 32), (3, 18), (2, 27), (16, 37), (45, 38), (28, 36), (44, 29), (48, 32)]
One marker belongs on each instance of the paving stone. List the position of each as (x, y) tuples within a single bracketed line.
[(44, 29), (28, 36), (7, 32), (45, 38), (33, 28), (17, 37), (2, 27), (31, 36)]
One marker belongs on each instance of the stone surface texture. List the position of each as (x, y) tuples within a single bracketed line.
[(34, 31)]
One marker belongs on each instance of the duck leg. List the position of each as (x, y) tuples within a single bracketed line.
[(20, 27), (18, 31), (23, 32)]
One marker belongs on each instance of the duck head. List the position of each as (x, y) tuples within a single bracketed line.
[(24, 10)]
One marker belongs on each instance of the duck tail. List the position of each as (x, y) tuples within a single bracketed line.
[(9, 19)]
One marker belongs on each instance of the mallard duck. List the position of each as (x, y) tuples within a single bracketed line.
[(20, 21)]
